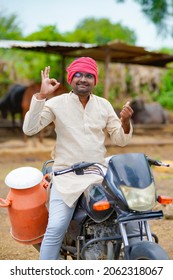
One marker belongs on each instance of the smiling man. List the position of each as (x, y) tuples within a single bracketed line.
[(80, 119)]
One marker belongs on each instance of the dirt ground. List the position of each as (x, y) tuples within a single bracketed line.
[(14, 153)]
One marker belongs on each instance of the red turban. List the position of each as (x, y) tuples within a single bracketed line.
[(82, 64)]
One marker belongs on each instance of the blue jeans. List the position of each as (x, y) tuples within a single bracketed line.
[(60, 216)]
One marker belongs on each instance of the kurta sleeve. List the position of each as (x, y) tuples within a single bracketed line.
[(38, 117)]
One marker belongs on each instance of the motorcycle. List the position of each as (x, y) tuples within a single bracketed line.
[(98, 229)]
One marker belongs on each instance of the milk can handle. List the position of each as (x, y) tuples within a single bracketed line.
[(5, 202), (46, 181)]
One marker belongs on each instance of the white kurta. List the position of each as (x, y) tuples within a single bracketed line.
[(80, 136)]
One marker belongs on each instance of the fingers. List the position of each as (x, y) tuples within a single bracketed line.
[(45, 72), (126, 112), (127, 103), (54, 81), (48, 85), (55, 84), (127, 108)]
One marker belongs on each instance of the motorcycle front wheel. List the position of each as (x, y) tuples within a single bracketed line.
[(146, 250)]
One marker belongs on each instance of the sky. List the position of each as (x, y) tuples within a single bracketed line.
[(66, 14)]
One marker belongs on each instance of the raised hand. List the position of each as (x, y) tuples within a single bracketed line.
[(125, 116), (48, 85), (126, 113)]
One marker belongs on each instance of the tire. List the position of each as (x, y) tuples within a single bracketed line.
[(147, 250)]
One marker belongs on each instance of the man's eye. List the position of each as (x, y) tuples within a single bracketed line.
[(89, 76), (77, 75)]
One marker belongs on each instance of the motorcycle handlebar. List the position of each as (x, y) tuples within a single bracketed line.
[(157, 162), (78, 168)]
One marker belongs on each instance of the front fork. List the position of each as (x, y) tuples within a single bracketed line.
[(129, 239), (144, 230)]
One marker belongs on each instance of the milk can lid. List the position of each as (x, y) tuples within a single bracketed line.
[(23, 178)]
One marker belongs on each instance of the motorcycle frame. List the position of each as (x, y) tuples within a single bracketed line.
[(123, 217), (123, 237)]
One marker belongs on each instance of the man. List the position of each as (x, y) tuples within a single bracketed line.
[(80, 118)]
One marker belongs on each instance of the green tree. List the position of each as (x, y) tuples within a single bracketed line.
[(159, 12), (10, 27), (24, 66), (165, 94), (100, 31), (45, 33)]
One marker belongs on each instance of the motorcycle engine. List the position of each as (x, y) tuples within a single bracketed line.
[(100, 250)]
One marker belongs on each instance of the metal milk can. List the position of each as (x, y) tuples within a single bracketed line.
[(26, 203)]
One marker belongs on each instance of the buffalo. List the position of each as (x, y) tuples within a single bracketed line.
[(11, 102), (148, 113)]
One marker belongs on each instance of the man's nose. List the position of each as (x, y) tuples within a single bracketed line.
[(83, 78)]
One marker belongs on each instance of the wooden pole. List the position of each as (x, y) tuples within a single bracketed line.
[(63, 69), (107, 79)]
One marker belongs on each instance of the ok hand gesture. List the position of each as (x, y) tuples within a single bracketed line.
[(48, 85)]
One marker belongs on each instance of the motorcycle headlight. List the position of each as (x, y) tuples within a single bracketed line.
[(139, 199)]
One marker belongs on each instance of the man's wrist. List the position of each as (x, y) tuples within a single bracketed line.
[(40, 96), (126, 126)]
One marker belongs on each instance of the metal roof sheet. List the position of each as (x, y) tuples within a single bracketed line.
[(117, 51)]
